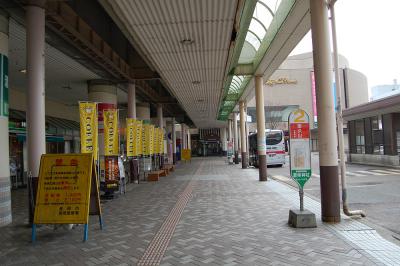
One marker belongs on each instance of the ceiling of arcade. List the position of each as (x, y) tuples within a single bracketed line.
[(65, 78), (188, 43)]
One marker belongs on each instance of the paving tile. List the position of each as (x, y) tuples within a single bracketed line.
[(227, 218)]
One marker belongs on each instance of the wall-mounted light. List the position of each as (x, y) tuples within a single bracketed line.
[(23, 71)]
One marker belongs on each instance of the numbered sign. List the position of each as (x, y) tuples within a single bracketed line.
[(300, 152)]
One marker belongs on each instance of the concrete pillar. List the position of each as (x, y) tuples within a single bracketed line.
[(261, 147), (160, 118), (229, 130), (131, 100), (183, 136), (35, 111), (5, 188), (169, 142), (143, 111), (173, 133), (243, 135), (327, 137), (223, 141), (235, 138), (67, 146), (189, 140), (104, 93), (77, 148)]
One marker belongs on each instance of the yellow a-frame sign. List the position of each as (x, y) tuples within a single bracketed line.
[(68, 191)]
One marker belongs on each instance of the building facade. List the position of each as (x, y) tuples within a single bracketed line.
[(292, 86)]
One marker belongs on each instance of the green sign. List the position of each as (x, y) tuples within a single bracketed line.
[(301, 176), (3, 85)]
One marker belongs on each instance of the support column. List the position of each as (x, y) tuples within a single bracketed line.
[(173, 133), (103, 92), (67, 146), (223, 141), (183, 137), (235, 138), (243, 135), (229, 130), (35, 113), (5, 188), (189, 140), (261, 147), (327, 137), (131, 100), (160, 118)]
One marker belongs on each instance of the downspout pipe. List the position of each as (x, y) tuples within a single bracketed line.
[(339, 118)]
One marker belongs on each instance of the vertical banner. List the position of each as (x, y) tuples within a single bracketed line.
[(130, 137), (161, 141), (145, 139), (88, 127), (138, 146), (3, 85), (111, 172), (151, 140), (155, 141), (111, 141)]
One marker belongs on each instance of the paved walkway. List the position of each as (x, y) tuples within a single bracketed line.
[(206, 213)]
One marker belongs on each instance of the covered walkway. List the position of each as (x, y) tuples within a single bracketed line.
[(206, 212)]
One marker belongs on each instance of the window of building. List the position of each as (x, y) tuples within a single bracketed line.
[(360, 136), (377, 135)]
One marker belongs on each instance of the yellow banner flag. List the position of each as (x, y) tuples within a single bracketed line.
[(130, 137), (161, 141), (111, 141), (88, 127), (155, 141), (145, 139), (138, 146), (152, 131)]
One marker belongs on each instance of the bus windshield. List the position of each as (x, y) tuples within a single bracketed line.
[(273, 138)]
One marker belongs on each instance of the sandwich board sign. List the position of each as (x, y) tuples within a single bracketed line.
[(300, 152), (187, 155), (67, 192)]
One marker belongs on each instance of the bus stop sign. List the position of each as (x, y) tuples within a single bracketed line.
[(300, 153)]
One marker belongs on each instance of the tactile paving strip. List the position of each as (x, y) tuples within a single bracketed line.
[(358, 234), (157, 247)]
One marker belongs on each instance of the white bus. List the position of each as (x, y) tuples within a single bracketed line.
[(275, 144)]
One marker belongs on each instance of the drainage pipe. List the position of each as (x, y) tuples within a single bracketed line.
[(339, 118)]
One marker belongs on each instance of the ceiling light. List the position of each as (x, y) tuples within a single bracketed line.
[(187, 41), (196, 82), (22, 71)]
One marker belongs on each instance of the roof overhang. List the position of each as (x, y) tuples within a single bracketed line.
[(379, 107)]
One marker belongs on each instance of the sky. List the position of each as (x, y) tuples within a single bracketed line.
[(368, 35)]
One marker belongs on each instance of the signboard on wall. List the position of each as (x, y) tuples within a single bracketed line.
[(3, 85)]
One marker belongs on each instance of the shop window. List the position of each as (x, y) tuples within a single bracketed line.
[(377, 135), (360, 136)]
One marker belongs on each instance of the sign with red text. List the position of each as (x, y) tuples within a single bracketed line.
[(67, 189), (300, 152)]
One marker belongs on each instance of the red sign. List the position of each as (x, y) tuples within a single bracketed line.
[(299, 131), (104, 106)]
